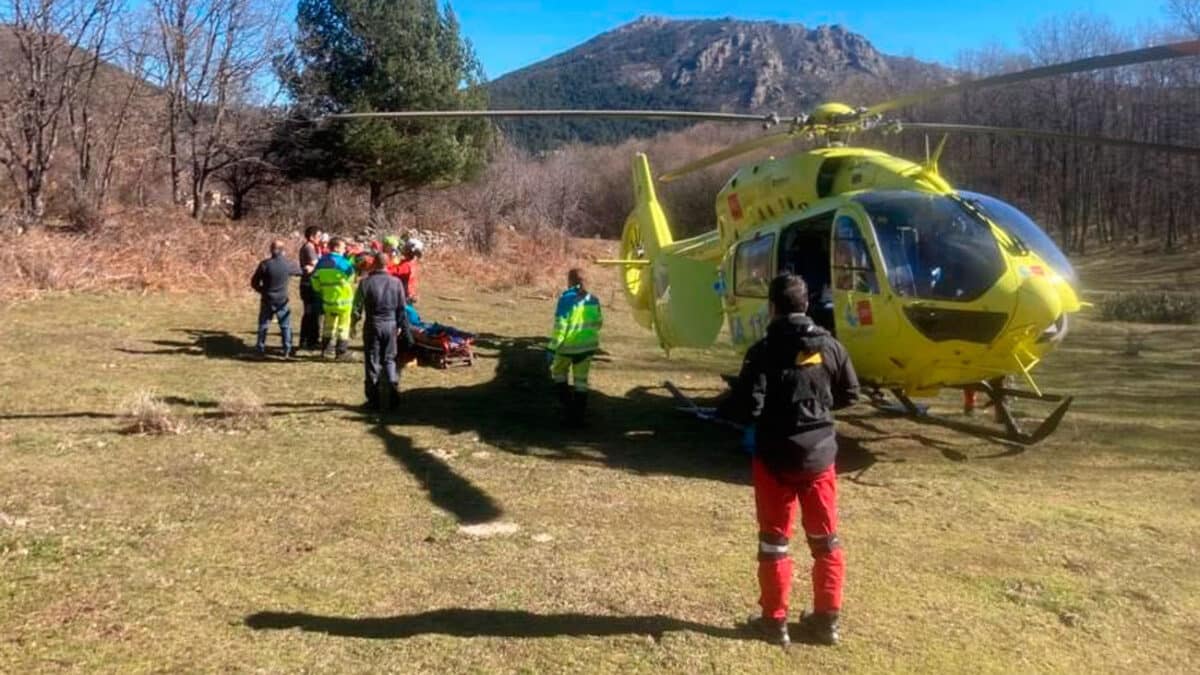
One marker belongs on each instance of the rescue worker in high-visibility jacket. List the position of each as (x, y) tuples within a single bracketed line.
[(333, 279), (576, 339)]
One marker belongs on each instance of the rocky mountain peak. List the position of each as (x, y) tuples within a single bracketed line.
[(711, 64)]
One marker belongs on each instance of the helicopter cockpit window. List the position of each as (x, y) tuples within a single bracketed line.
[(1021, 227), (853, 269), (932, 246), (752, 267)]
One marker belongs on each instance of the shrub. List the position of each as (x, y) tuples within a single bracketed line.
[(1151, 307), (148, 414), (83, 217)]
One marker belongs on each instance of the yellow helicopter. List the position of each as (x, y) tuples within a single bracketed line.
[(928, 287)]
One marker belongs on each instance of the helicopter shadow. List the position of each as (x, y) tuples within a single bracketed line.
[(516, 412), (949, 451), (641, 431)]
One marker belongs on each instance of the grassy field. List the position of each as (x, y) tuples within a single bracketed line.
[(315, 538)]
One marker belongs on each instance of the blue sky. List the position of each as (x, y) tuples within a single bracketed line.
[(509, 34)]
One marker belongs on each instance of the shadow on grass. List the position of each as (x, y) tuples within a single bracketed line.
[(82, 414), (212, 344), (446, 489), (947, 450), (516, 412), (484, 623)]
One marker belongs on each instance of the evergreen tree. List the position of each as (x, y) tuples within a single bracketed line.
[(379, 56)]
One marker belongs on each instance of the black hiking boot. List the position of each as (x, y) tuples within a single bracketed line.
[(820, 628), (343, 350), (774, 631), (327, 349)]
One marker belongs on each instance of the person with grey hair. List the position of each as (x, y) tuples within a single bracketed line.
[(270, 281)]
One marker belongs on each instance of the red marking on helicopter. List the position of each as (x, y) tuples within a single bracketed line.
[(865, 317), (735, 207)]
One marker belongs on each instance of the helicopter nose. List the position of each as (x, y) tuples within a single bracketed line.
[(1038, 307)]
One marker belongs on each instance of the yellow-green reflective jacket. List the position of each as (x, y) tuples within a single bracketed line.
[(577, 322), (333, 279)]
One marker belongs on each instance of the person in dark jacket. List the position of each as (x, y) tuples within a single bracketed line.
[(310, 324), (790, 383), (271, 280), (380, 299)]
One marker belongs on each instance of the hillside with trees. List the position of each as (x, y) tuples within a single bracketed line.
[(179, 111)]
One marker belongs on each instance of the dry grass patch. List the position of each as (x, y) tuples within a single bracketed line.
[(240, 408), (147, 414)]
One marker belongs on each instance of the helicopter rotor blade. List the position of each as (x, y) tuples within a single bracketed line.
[(1129, 58), (701, 116), (1049, 135), (728, 153)]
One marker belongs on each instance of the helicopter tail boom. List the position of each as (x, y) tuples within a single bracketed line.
[(648, 212)]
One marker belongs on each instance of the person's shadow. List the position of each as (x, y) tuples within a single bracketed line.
[(212, 344), (459, 622), (503, 623)]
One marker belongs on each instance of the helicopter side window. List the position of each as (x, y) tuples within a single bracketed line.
[(852, 266), (752, 267)]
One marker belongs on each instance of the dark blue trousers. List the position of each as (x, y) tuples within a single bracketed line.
[(282, 314)]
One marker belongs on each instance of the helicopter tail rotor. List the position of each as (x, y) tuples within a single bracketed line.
[(645, 234)]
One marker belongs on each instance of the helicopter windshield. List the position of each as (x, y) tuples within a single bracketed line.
[(1020, 226), (932, 246)]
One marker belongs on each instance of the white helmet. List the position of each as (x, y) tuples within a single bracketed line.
[(414, 246)]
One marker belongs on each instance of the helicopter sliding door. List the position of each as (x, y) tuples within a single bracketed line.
[(865, 317)]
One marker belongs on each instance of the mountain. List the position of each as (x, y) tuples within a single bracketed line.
[(723, 64)]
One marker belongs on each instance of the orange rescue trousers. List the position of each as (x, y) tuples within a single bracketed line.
[(776, 498)]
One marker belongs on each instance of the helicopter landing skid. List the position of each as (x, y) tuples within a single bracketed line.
[(998, 396)]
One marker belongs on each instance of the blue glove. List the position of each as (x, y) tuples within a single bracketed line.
[(549, 356)]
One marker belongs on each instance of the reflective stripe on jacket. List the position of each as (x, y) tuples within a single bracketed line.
[(577, 323), (334, 281)]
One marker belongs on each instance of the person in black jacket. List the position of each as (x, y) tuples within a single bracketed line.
[(271, 280), (790, 383), (380, 297)]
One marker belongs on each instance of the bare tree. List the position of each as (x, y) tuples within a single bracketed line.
[(245, 164), (59, 45), (209, 54), (101, 114), (1186, 13)]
